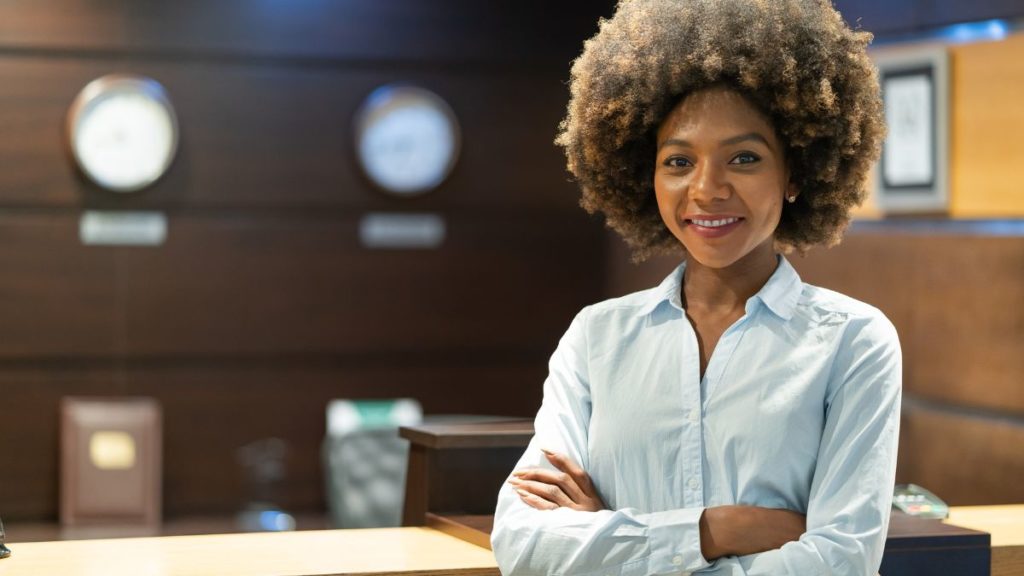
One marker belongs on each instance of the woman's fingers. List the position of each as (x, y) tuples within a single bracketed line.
[(535, 501), (551, 492), (569, 481), (560, 479), (565, 464)]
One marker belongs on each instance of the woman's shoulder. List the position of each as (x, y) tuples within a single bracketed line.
[(823, 306)]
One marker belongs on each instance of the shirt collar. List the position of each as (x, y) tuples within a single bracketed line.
[(780, 294)]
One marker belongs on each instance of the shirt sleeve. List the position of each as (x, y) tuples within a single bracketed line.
[(851, 493), (563, 541)]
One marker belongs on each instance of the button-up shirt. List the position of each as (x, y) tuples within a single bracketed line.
[(798, 408)]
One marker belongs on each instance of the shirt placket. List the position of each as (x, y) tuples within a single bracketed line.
[(690, 435), (695, 400)]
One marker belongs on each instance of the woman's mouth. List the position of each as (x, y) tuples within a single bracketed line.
[(713, 227)]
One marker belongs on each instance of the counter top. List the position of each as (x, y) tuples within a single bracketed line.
[(1006, 525), (419, 551)]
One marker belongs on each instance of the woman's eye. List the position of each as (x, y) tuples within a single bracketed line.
[(678, 162), (745, 158)]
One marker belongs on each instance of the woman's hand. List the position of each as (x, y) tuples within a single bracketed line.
[(545, 489)]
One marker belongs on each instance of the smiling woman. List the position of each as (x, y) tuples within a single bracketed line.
[(732, 420)]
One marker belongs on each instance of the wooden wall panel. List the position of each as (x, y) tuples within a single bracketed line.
[(250, 285), (986, 120), (966, 459)]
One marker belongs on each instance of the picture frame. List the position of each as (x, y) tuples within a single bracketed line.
[(913, 170)]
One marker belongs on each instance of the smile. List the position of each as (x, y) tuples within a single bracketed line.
[(711, 228), (715, 223)]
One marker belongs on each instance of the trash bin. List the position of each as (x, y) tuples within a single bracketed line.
[(365, 460)]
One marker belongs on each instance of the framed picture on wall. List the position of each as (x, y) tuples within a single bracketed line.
[(913, 174)]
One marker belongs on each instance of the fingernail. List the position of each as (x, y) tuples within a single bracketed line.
[(513, 481), (519, 473), (548, 452), (522, 492)]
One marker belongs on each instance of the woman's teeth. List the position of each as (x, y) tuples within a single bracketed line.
[(714, 223)]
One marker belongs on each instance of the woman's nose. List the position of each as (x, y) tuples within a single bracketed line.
[(708, 183)]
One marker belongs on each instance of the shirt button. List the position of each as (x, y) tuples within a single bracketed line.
[(693, 483), (677, 560), (694, 416)]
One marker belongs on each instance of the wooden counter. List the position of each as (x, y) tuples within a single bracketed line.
[(419, 551), (1005, 524)]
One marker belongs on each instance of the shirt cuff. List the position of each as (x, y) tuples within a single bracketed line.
[(674, 537)]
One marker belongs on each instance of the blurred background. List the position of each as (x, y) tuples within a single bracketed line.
[(262, 299)]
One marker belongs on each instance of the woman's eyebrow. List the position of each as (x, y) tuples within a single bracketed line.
[(755, 136)]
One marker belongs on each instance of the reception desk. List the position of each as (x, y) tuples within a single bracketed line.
[(419, 551), (413, 550)]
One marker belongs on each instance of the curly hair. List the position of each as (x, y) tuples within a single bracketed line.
[(796, 60)]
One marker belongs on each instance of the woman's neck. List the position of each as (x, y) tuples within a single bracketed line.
[(726, 290)]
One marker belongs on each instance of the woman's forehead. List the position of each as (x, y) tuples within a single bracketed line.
[(715, 110)]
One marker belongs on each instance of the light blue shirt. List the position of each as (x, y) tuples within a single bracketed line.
[(798, 408)]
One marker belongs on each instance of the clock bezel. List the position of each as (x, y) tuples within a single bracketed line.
[(102, 87), (387, 96)]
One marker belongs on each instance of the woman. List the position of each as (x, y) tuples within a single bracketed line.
[(732, 420)]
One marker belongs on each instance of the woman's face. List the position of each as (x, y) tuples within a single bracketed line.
[(721, 178)]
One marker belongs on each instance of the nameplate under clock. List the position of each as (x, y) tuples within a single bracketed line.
[(97, 228), (402, 230)]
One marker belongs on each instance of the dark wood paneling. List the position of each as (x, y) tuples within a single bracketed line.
[(245, 286), (54, 294), (212, 409), (409, 30), (281, 137), (964, 458), (624, 276)]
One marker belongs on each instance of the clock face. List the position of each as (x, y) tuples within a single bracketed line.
[(123, 132), (407, 139)]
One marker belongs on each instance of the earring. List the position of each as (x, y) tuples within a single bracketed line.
[(791, 199)]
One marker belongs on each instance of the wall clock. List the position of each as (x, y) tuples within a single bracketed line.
[(407, 139), (122, 132)]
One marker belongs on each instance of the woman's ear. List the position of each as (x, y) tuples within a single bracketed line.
[(791, 193)]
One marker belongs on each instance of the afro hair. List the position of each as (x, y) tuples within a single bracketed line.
[(796, 60)]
